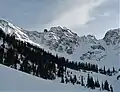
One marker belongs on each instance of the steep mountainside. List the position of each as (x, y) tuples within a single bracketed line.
[(11, 29), (64, 42), (57, 38), (112, 37)]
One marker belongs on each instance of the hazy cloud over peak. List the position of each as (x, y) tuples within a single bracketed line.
[(77, 15), (81, 16)]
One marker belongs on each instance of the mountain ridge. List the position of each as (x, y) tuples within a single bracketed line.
[(64, 42)]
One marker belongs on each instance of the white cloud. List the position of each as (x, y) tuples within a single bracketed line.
[(77, 16), (105, 14)]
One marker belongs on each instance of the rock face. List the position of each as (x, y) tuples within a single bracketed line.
[(86, 48), (57, 38), (112, 37)]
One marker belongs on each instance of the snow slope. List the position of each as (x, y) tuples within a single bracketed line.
[(15, 81), (112, 80), (11, 29)]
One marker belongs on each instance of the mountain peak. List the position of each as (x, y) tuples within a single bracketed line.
[(112, 37), (91, 37), (63, 31), (3, 21), (11, 29), (54, 29)]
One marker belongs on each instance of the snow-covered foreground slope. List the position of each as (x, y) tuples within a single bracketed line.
[(112, 80), (13, 80)]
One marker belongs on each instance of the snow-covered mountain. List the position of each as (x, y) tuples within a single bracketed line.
[(18, 32), (57, 39), (112, 37), (64, 42)]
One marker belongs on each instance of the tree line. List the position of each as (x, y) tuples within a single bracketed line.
[(91, 83)]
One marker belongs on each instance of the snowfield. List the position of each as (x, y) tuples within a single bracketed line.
[(12, 80)]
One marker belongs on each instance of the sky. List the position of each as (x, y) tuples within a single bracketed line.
[(83, 17)]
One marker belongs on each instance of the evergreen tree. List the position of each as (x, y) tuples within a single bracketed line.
[(74, 79), (37, 71), (62, 79), (92, 85), (106, 85), (82, 82), (102, 86), (33, 68), (60, 71), (97, 84), (88, 81), (26, 66), (108, 71), (104, 70), (9, 59), (118, 77), (111, 88), (113, 69), (96, 68), (1, 54), (66, 79)]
